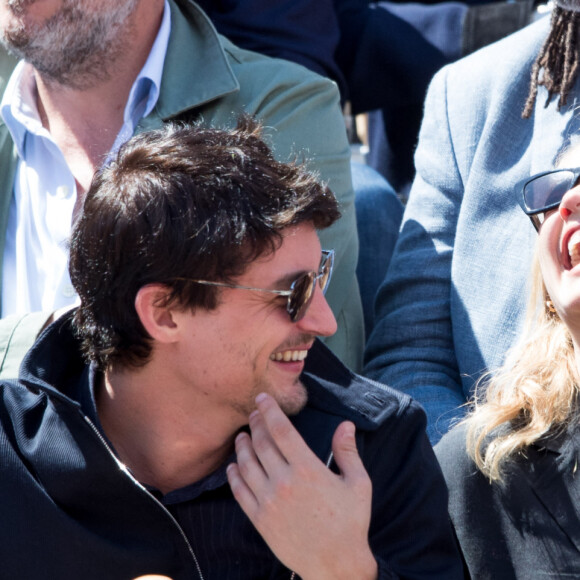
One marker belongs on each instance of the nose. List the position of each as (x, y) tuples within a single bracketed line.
[(570, 203), (319, 319)]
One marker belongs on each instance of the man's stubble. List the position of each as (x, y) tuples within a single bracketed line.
[(75, 47)]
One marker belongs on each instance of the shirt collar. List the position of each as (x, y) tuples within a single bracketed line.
[(145, 90), (18, 107)]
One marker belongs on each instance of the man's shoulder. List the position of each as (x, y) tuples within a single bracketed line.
[(17, 334), (18, 397), (25, 415), (334, 389), (506, 62), (474, 110), (258, 72), (216, 62)]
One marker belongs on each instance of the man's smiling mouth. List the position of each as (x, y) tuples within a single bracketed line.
[(289, 355)]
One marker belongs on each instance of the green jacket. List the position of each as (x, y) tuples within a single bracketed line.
[(207, 77)]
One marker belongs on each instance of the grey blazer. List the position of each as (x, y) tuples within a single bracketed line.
[(527, 529), (456, 287)]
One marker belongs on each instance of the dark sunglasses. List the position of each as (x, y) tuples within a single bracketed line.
[(301, 290), (544, 191)]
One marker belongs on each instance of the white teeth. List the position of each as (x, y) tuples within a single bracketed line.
[(289, 355), (574, 248)]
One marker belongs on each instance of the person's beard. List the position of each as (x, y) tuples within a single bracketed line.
[(75, 47)]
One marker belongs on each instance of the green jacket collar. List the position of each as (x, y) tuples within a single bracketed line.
[(196, 69)]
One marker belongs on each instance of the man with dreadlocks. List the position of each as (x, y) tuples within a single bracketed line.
[(452, 301)]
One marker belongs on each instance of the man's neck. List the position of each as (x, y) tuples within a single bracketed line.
[(167, 440), (85, 122)]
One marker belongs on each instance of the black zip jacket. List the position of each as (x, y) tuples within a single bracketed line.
[(71, 511)]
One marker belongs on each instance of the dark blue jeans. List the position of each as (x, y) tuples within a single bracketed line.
[(378, 213)]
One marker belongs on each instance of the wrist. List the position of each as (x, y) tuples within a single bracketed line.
[(361, 567)]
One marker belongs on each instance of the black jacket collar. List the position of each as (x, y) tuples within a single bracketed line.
[(55, 363)]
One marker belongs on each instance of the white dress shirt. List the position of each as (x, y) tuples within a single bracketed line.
[(35, 270)]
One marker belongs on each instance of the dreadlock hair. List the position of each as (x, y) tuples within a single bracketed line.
[(558, 59)]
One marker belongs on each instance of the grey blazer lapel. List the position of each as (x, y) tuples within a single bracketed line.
[(554, 476)]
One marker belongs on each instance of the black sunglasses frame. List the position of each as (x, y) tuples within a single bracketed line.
[(297, 304), (536, 214)]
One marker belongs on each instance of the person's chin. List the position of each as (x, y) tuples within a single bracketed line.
[(293, 400)]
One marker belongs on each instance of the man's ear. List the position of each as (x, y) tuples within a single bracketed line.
[(155, 314)]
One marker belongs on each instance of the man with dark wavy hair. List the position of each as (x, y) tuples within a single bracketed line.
[(92, 73), (186, 420)]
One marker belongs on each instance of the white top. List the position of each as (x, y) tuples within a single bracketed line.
[(35, 270)]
